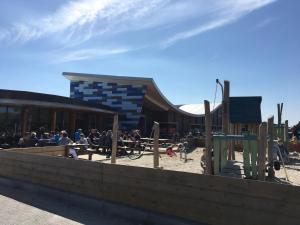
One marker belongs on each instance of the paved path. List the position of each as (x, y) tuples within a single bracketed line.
[(27, 204), (27, 208)]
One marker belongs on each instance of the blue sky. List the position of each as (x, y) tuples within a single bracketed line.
[(183, 44)]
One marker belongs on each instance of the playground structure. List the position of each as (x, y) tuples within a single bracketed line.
[(257, 148)]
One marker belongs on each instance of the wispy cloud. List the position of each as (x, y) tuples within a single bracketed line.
[(264, 23), (78, 22), (228, 12), (84, 54)]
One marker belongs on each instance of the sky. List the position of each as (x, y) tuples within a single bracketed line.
[(184, 45)]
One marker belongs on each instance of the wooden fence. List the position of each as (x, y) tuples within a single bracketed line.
[(201, 198), (49, 150), (250, 143)]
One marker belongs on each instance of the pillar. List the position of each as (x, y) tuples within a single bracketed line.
[(53, 120)]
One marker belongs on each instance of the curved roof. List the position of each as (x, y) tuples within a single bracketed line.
[(13, 97), (153, 94), (197, 109)]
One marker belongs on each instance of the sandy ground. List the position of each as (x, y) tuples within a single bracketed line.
[(193, 164), (166, 162)]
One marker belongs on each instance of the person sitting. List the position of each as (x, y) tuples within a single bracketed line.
[(77, 135), (65, 140), (102, 142), (83, 140), (52, 137), (23, 140), (42, 134), (108, 143), (94, 137), (32, 141)]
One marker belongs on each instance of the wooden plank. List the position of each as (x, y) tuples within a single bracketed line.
[(37, 149), (246, 187), (115, 140), (254, 158), (197, 200), (246, 158), (225, 105), (279, 111), (223, 154), (229, 199), (156, 145), (42, 160), (31, 169), (262, 151), (217, 145), (208, 137), (286, 134), (270, 145)]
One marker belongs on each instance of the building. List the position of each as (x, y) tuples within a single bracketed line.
[(95, 99), (139, 102), (22, 111)]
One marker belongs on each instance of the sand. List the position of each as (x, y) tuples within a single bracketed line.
[(193, 163)]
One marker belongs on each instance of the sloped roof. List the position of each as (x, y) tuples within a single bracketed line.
[(245, 109), (46, 100), (197, 109), (154, 95)]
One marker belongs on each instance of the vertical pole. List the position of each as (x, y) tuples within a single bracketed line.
[(279, 109), (208, 138), (156, 145), (225, 104), (24, 121), (225, 117), (53, 120), (246, 158), (286, 134), (72, 124), (270, 146), (254, 158), (29, 119), (231, 155), (262, 151), (114, 140)]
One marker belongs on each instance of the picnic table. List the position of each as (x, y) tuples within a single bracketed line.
[(46, 142), (162, 140), (149, 142), (77, 147)]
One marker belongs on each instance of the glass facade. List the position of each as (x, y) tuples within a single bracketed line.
[(10, 119)]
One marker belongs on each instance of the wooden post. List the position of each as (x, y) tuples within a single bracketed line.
[(262, 151), (53, 120), (156, 145), (270, 146), (286, 134), (279, 111), (208, 138), (225, 104), (114, 140)]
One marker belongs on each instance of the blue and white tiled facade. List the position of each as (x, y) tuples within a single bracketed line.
[(126, 99)]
